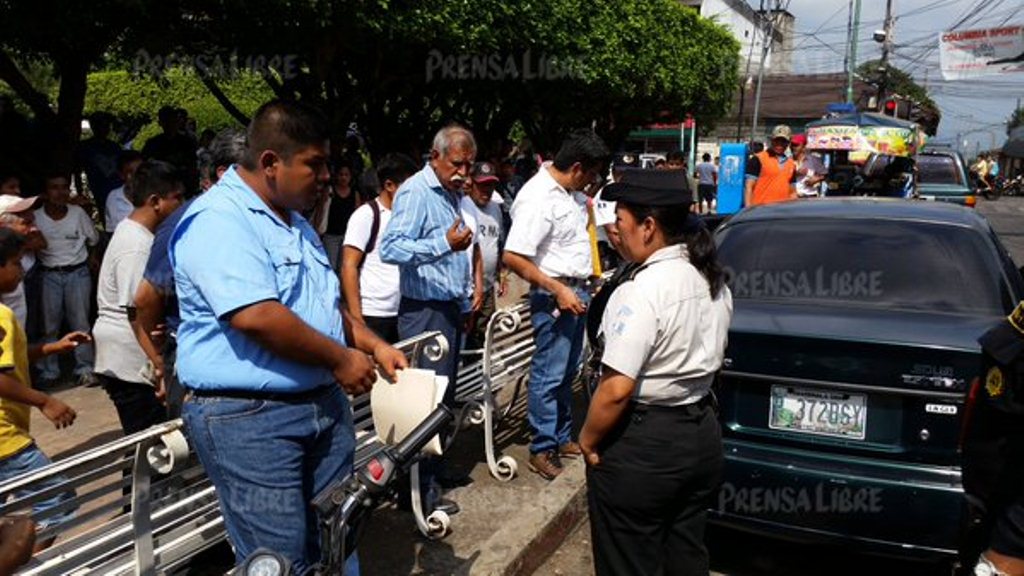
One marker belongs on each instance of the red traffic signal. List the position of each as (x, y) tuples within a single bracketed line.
[(889, 108)]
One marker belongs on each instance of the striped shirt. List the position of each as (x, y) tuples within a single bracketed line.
[(415, 240)]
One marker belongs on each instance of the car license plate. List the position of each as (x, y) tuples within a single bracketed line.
[(821, 412)]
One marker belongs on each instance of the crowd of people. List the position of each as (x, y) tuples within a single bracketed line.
[(249, 281)]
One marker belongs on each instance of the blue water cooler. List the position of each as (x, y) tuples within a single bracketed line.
[(731, 169)]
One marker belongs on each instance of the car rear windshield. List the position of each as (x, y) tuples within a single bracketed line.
[(863, 263), (938, 169)]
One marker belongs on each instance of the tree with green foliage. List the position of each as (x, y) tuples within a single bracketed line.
[(896, 82), (71, 37), (397, 70), (400, 69)]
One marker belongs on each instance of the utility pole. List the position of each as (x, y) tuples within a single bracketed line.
[(851, 50), (768, 30), (886, 49)]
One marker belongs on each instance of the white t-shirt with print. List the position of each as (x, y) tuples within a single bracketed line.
[(66, 239), (486, 233), (378, 282)]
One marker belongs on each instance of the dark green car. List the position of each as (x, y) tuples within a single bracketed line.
[(852, 344), (942, 176)]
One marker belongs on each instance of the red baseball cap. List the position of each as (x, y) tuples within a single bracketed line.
[(799, 139)]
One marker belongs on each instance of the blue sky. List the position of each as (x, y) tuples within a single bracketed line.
[(981, 105)]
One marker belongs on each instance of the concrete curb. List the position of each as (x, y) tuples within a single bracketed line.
[(523, 543)]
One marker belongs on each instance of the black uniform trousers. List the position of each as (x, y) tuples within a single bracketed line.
[(648, 498)]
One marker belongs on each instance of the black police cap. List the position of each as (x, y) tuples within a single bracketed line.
[(650, 188)]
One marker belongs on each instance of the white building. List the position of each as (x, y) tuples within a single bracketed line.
[(743, 21)]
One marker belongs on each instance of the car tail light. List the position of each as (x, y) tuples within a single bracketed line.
[(972, 399), (971, 201)]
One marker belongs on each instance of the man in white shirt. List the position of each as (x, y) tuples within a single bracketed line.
[(370, 286), (16, 213), (488, 234), (118, 206), (66, 276), (549, 247), (156, 191)]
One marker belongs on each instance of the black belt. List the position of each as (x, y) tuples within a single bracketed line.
[(298, 397), (574, 282), (68, 268), (706, 401)]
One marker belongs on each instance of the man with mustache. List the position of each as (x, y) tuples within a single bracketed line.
[(426, 238)]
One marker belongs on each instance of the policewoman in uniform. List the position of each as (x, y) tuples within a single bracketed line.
[(652, 440), (993, 452)]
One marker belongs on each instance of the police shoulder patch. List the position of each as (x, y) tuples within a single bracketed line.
[(994, 382)]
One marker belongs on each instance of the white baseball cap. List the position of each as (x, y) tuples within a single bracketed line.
[(11, 204)]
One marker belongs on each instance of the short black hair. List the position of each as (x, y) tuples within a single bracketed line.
[(395, 167), (55, 172), (676, 156), (154, 178), (167, 113), (126, 157), (11, 244), (582, 145), (706, 157), (285, 127)]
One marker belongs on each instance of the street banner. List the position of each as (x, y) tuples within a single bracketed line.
[(862, 141), (970, 53)]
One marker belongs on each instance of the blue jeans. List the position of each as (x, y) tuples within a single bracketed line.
[(418, 316), (28, 460), (268, 459), (559, 343), (66, 296)]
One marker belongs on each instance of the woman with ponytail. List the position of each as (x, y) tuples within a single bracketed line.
[(652, 440)]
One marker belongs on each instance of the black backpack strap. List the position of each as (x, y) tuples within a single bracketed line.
[(371, 242)]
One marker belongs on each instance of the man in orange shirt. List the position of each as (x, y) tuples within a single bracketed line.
[(771, 175)]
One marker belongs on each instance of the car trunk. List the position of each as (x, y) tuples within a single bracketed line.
[(825, 378)]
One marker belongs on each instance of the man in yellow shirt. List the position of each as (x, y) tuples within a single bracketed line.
[(19, 454)]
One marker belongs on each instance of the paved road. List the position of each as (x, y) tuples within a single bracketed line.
[(1007, 218)]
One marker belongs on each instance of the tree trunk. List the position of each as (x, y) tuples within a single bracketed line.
[(70, 103)]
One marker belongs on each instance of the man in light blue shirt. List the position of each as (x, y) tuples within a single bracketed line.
[(263, 343), (426, 238)]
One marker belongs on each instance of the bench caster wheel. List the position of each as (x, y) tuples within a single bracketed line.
[(507, 468), (438, 524)]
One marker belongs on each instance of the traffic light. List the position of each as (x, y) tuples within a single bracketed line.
[(896, 107), (889, 107)]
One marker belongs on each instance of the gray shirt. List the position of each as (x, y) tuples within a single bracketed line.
[(706, 172)]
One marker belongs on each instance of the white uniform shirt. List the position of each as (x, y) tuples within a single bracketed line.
[(549, 226), (66, 239), (665, 331), (378, 282)]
